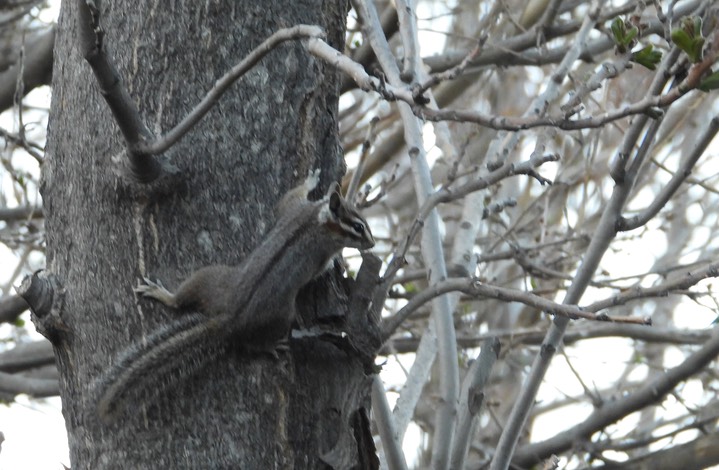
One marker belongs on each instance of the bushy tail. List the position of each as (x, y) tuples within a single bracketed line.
[(145, 370)]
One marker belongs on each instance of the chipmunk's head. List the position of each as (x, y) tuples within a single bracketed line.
[(344, 223)]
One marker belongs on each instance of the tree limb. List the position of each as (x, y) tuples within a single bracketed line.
[(612, 411), (37, 69), (431, 245), (15, 384), (26, 356), (11, 307)]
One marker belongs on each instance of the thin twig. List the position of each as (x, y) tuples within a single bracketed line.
[(364, 152), (662, 290), (431, 246), (450, 74), (478, 289), (678, 178), (651, 106), (141, 144), (364, 81), (163, 143), (653, 391), (444, 195), (20, 140), (582, 332), (605, 233)]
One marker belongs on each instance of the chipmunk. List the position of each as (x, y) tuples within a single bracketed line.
[(251, 305)]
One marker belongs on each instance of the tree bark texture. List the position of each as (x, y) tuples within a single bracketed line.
[(309, 408)]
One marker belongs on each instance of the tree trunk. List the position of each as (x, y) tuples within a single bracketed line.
[(307, 409)]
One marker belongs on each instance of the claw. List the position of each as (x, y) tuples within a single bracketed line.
[(154, 290), (282, 345)]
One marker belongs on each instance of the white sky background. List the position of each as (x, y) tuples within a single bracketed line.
[(34, 431)]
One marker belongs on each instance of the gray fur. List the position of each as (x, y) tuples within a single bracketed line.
[(251, 304)]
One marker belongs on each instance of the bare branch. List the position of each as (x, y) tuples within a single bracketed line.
[(15, 384), (406, 15), (476, 288), (91, 41), (445, 194), (650, 106), (450, 74), (364, 55), (37, 69), (20, 140), (140, 142), (535, 336), (391, 443), (678, 178), (605, 232), (700, 453), (20, 213), (365, 82), (550, 13), (11, 307), (508, 52), (225, 82), (688, 280), (431, 246), (26, 356), (359, 170), (612, 411), (471, 399)]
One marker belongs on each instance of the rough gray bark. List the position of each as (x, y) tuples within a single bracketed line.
[(309, 408)]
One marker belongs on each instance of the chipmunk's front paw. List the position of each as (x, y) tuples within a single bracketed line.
[(154, 290)]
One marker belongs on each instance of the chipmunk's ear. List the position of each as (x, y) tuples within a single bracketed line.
[(335, 197), (334, 188)]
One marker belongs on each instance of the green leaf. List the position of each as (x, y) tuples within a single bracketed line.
[(681, 39), (710, 83), (19, 322), (647, 57), (631, 34), (618, 29), (692, 25), (697, 52), (623, 37), (688, 37), (698, 25)]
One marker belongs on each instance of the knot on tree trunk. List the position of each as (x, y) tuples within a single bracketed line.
[(45, 295)]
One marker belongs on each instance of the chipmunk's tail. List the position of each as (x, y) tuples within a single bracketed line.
[(170, 354)]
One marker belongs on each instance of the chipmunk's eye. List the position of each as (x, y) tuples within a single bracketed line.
[(358, 227)]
